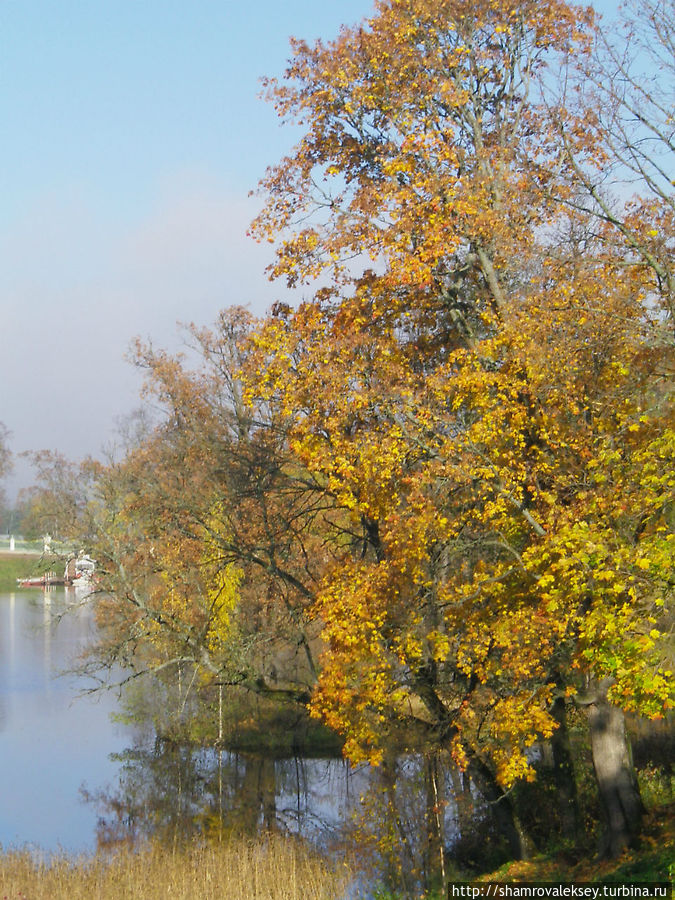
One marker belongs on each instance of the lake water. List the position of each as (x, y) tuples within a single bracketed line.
[(71, 778), (51, 743)]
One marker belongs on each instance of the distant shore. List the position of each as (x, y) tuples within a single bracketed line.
[(22, 564)]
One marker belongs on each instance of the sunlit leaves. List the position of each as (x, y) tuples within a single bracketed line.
[(480, 391)]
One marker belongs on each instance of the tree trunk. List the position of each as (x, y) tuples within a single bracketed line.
[(620, 802), (563, 773), (502, 809)]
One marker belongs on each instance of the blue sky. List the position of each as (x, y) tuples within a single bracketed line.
[(132, 133)]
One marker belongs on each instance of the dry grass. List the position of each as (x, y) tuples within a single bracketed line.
[(271, 869)]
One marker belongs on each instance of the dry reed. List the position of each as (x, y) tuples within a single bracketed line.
[(271, 869)]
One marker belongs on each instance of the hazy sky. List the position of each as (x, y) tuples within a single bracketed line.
[(132, 133)]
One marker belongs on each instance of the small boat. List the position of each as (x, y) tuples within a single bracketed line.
[(81, 571), (46, 580), (85, 567)]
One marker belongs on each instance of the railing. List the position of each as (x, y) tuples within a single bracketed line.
[(20, 545)]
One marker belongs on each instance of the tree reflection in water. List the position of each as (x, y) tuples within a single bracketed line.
[(175, 792), (401, 822)]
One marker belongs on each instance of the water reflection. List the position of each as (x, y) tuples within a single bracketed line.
[(50, 743), (402, 823), (175, 793)]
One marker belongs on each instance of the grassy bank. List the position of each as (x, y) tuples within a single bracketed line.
[(273, 869), (652, 861), (654, 858), (26, 565), (18, 565), (280, 868)]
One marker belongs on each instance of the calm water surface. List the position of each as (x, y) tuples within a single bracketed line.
[(71, 778), (51, 742)]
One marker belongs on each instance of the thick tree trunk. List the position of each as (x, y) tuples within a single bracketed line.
[(563, 773), (502, 808), (620, 802)]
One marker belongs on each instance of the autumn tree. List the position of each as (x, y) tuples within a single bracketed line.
[(449, 472), (624, 202), (623, 162), (58, 501), (209, 533), (473, 394)]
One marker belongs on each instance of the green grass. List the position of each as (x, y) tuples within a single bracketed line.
[(25, 565), (16, 565)]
